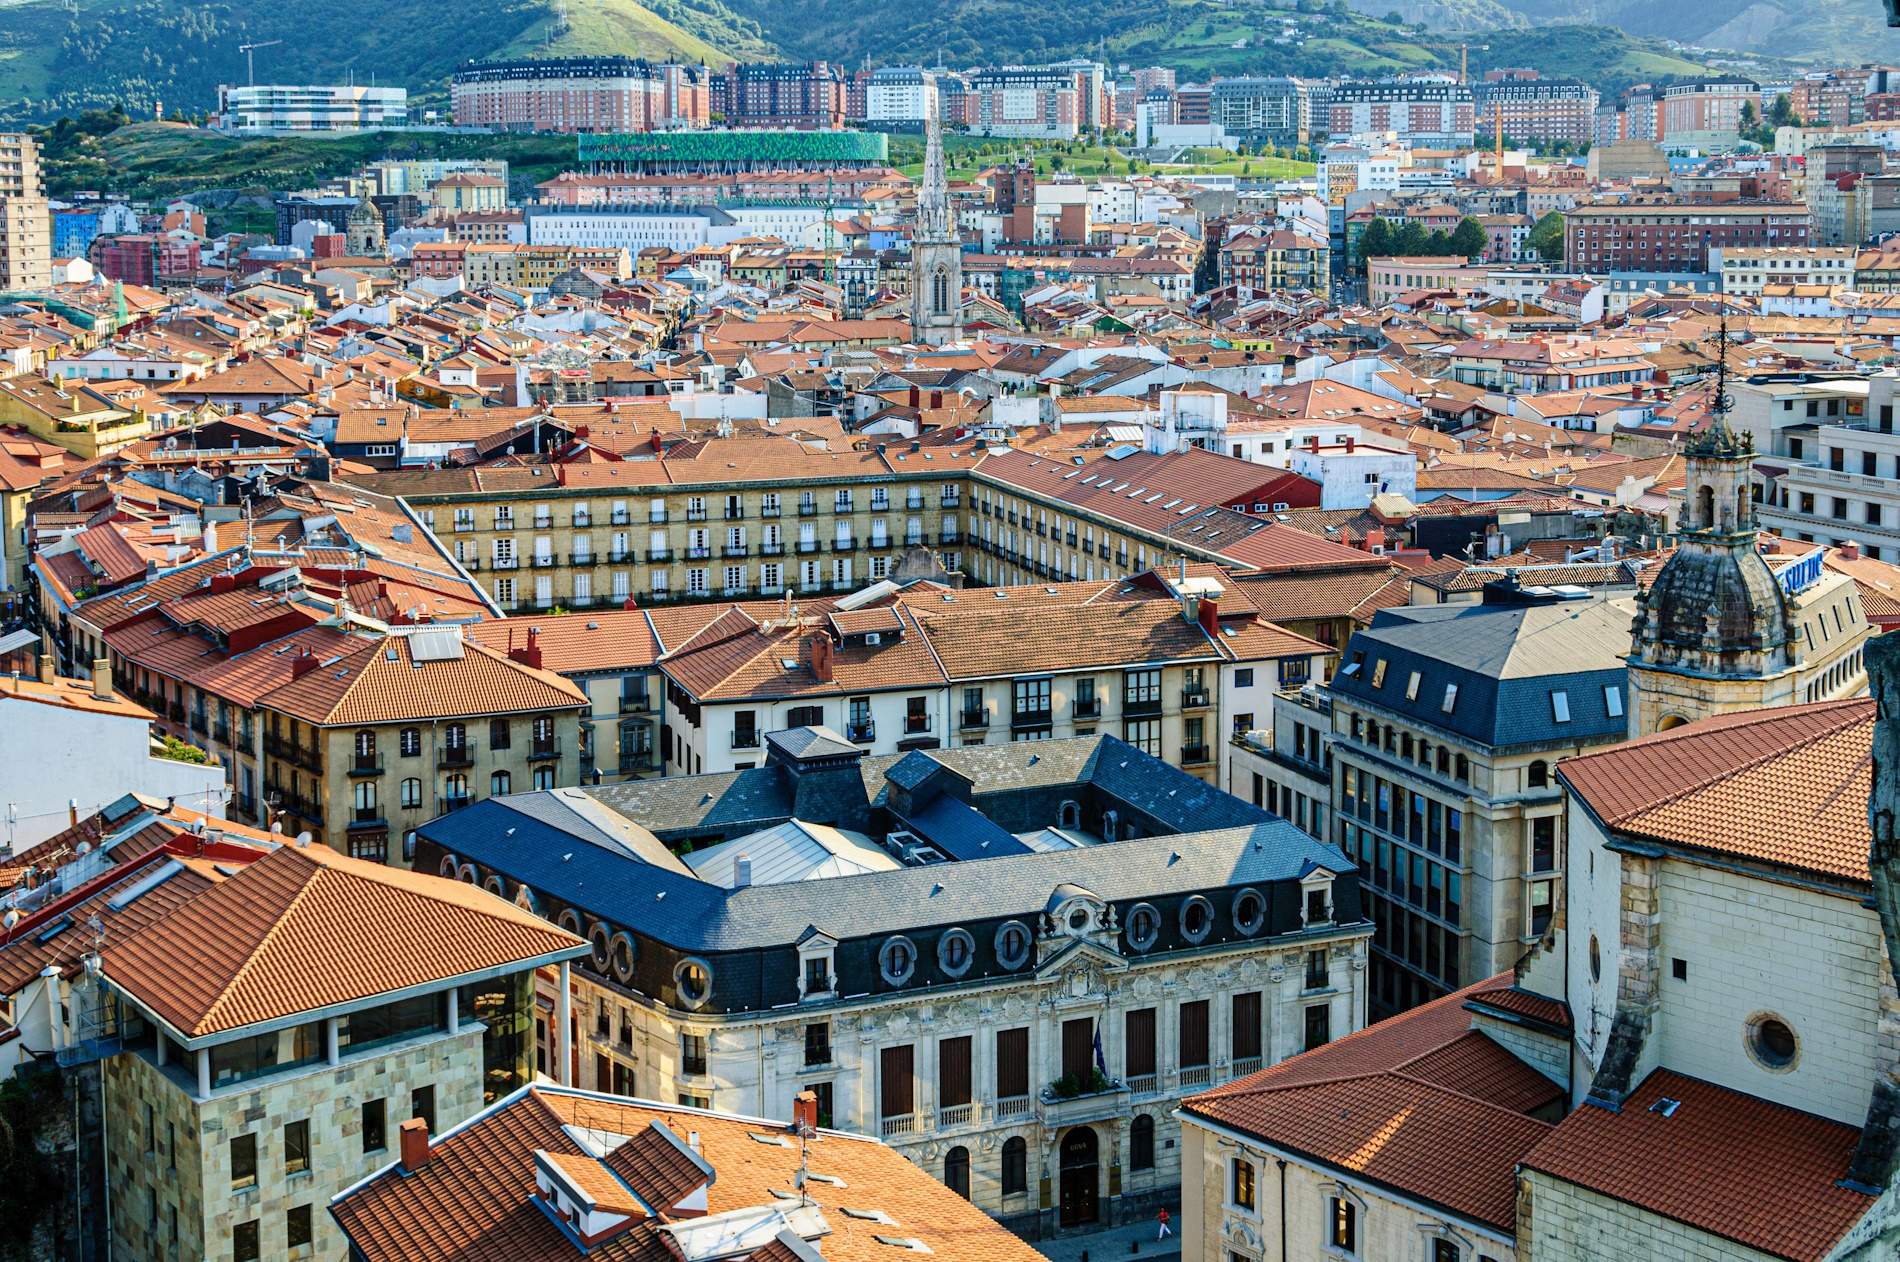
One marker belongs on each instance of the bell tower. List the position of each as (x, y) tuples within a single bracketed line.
[(936, 251)]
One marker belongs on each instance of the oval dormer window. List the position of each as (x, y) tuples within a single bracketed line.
[(1197, 919), (897, 960), (620, 958), (1250, 912), (600, 947), (1012, 944), (692, 978), (1144, 927), (956, 950)]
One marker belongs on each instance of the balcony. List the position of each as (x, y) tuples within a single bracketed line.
[(1143, 1084), (844, 545), (504, 522), (221, 733), (951, 501), (505, 563), (1134, 704), (695, 514), (1068, 1102), (948, 536), (913, 540), (1089, 709), (294, 754), (969, 719), (769, 510), (1011, 1106), (544, 560), (808, 510), (544, 751), (1245, 1065), (898, 1124), (1194, 1077), (658, 517), (371, 765), (582, 521), (462, 755), (917, 724), (734, 514), (745, 740), (583, 558), (618, 518), (366, 819), (455, 801), (1031, 718), (879, 542), (659, 555), (543, 521), (914, 503), (1194, 699), (861, 733), (637, 703), (771, 549), (733, 550), (699, 554), (1191, 754), (951, 1116), (807, 546), (633, 762)]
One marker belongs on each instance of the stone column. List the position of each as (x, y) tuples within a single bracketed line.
[(564, 1019)]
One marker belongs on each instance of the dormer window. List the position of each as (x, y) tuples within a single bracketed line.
[(1012, 944), (1144, 927), (692, 980), (1197, 919), (897, 960), (818, 969), (1318, 903), (955, 952), (817, 975)]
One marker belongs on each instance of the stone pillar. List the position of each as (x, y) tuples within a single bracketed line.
[(204, 1073), (1877, 1159), (564, 1021), (1638, 993), (333, 1040)]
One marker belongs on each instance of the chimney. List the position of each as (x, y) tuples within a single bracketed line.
[(102, 678), (936, 398), (47, 670), (805, 1112), (1349, 444), (302, 664), (821, 656), (659, 448), (1210, 616), (742, 872), (528, 654), (414, 1135), (1312, 444), (1849, 551), (916, 396)]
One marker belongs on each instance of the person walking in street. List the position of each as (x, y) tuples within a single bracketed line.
[(1165, 1231)]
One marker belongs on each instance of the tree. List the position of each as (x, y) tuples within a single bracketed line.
[(1412, 239), (1781, 113), (1375, 242), (1547, 237), (1468, 239), (1437, 244)]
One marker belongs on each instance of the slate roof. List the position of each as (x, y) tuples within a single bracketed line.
[(1507, 661)]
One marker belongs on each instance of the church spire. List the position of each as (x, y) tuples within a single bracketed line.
[(936, 251), (933, 199)]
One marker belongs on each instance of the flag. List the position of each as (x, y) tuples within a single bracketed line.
[(1101, 1062)]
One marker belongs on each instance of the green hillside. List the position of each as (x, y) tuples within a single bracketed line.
[(171, 55)]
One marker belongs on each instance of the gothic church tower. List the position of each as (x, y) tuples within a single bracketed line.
[(936, 252)]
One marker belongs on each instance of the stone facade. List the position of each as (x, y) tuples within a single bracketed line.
[(1575, 1223), (755, 1064), (1216, 1229), (170, 1154)]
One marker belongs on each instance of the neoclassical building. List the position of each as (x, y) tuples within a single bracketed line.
[(1019, 959)]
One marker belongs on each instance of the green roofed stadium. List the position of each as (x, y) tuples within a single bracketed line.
[(670, 152)]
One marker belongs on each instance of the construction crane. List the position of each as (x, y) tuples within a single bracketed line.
[(250, 58)]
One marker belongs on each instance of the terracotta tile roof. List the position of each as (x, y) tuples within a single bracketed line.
[(978, 643), (70, 694), (575, 643), (1420, 1103), (1785, 786), (1505, 997), (305, 928), (473, 1200), (384, 682), (1736, 1166), (1357, 593)]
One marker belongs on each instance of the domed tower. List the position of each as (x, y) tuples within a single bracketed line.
[(1715, 632), (363, 230)]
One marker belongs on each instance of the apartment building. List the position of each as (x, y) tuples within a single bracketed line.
[(1674, 237), (1286, 766), (1275, 259), (724, 518), (1532, 108), (580, 94), (1038, 101), (1263, 110), (1009, 910), (1425, 111), (325, 107), (26, 260), (1705, 116), (262, 1021), (1446, 723), (1746, 271), (1828, 468), (805, 96)]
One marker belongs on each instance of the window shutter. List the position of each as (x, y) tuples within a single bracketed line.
[(896, 1082), (953, 1072), (1012, 1062)]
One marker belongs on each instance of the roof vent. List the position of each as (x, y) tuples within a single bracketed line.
[(1665, 1106)]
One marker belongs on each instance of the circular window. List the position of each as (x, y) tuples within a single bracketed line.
[(570, 920), (1771, 1041), (692, 978), (468, 874), (600, 943), (620, 958), (1079, 920), (955, 951), (1012, 944), (897, 960), (496, 886), (1144, 926), (1596, 960), (1250, 912), (448, 867), (1197, 918)]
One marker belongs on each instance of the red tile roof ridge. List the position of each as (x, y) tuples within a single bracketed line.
[(1852, 712)]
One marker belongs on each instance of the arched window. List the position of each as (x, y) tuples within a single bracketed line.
[(498, 734), (410, 743), (1705, 507), (1537, 775), (412, 792), (1016, 1165), (940, 292), (1742, 497), (365, 800), (455, 736), (455, 791), (1141, 1143), (544, 777), (366, 748), (498, 784), (956, 1171)]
